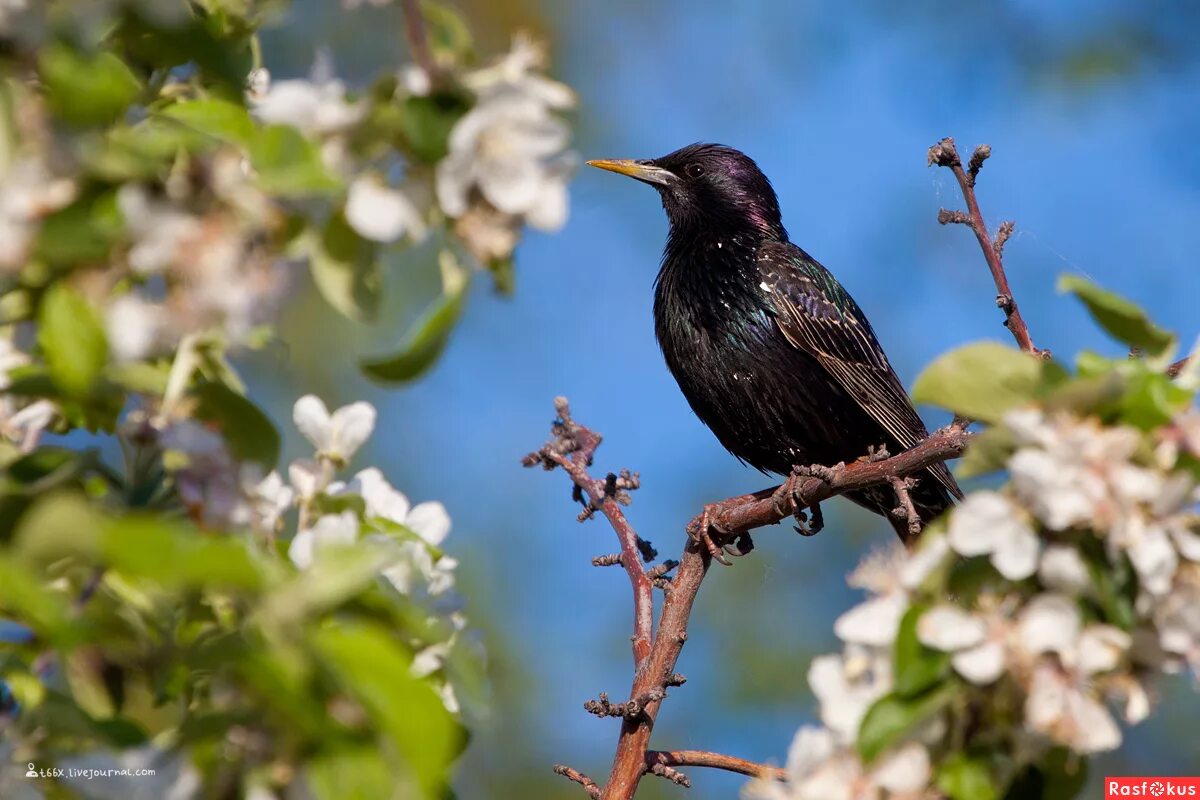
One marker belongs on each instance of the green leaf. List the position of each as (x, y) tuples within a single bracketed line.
[(59, 525), (916, 667), (1152, 400), (981, 381), (892, 716), (424, 341), (987, 452), (141, 152), (338, 575), (350, 772), (177, 557), (345, 268), (82, 233), (250, 434), (375, 669), (23, 596), (72, 340), (140, 376), (1061, 775), (289, 164), (221, 119), (449, 36), (964, 778), (1123, 320), (427, 121), (86, 89)]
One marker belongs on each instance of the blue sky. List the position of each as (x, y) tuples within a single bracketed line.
[(838, 102)]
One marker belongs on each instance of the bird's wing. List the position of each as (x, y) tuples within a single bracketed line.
[(817, 315)]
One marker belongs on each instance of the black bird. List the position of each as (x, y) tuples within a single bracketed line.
[(771, 352)]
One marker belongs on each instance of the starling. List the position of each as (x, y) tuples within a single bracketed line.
[(771, 352)]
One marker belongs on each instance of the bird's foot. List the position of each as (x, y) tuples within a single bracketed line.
[(812, 526), (740, 546), (876, 453), (703, 538), (788, 496)]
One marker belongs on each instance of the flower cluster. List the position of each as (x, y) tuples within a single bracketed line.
[(508, 163), (220, 492), (1018, 625)]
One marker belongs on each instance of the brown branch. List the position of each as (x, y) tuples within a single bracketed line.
[(748, 511), (1174, 369), (418, 39), (906, 510), (572, 448), (587, 783), (703, 758), (945, 154)]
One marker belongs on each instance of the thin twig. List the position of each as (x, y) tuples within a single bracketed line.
[(418, 39), (945, 154), (587, 783), (572, 448), (906, 510), (703, 758)]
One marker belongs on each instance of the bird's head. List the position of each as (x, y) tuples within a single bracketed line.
[(708, 187)]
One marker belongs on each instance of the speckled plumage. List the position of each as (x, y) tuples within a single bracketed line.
[(769, 349)]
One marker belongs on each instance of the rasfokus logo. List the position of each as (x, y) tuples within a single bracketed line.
[(1157, 786)]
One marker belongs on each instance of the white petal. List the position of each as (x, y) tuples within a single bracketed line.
[(1016, 558), (1154, 559), (380, 498), (874, 622), (1049, 623), (380, 213), (300, 551), (306, 475), (430, 521), (905, 770), (1093, 729), (949, 628), (1062, 569), (1046, 702), (1101, 648), (312, 419), (982, 522), (548, 212), (921, 563), (351, 425), (980, 665), (810, 747), (1187, 541)]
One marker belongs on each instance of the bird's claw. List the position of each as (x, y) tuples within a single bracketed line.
[(703, 538), (787, 496)]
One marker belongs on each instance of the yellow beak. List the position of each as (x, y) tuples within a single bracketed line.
[(639, 170)]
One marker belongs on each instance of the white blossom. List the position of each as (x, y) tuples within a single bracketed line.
[(1062, 569), (160, 230), (511, 147), (1064, 710), (314, 107), (331, 530), (134, 327), (336, 436), (28, 192), (989, 523), (269, 497), (977, 643), (846, 684), (428, 520), (380, 213)]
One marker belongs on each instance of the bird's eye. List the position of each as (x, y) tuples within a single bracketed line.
[(693, 170)]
